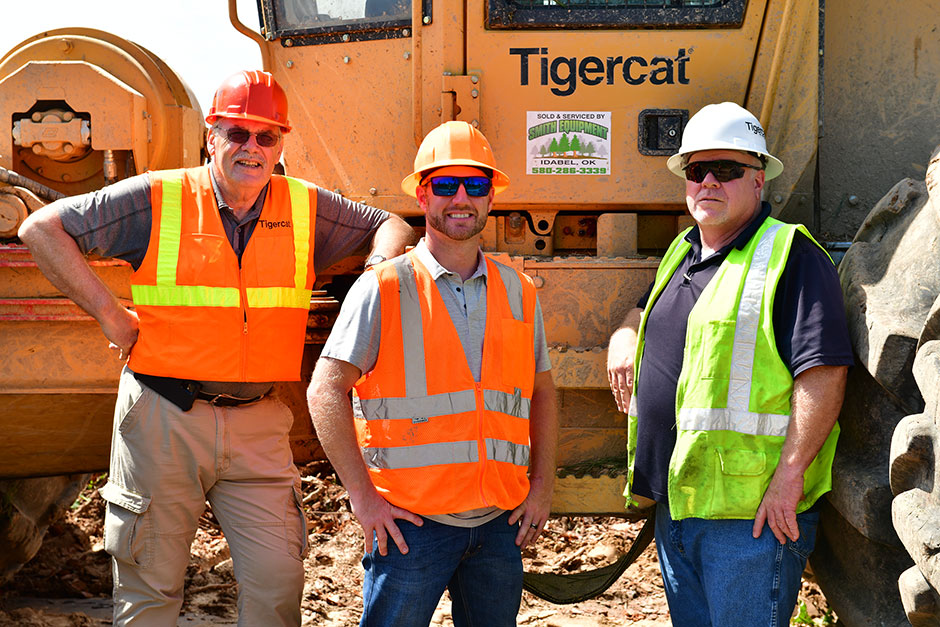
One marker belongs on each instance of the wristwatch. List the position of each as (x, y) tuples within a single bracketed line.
[(374, 259)]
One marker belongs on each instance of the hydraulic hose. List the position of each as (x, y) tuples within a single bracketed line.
[(13, 178)]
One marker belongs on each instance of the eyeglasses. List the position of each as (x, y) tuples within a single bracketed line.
[(239, 135), (475, 186), (722, 170)]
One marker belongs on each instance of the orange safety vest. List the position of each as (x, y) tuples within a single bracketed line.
[(434, 440), (202, 316)]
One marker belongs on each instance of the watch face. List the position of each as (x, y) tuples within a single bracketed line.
[(374, 259)]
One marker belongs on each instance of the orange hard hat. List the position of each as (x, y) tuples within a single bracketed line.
[(250, 95), (453, 143)]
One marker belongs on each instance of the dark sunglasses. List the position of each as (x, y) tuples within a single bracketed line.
[(448, 185), (238, 135), (722, 170)]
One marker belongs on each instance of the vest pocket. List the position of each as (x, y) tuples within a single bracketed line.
[(711, 357), (742, 478), (741, 462), (518, 352), (202, 266), (270, 256)]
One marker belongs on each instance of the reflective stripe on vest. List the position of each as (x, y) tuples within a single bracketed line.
[(465, 452), (167, 293), (736, 416), (419, 406), (724, 458)]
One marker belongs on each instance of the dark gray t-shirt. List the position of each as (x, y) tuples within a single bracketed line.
[(115, 221)]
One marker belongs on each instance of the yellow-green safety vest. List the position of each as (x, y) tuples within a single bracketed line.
[(734, 391)]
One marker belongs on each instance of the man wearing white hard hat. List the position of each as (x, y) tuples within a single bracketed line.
[(732, 371), (451, 462)]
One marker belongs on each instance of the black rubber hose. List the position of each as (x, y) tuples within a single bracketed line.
[(13, 178)]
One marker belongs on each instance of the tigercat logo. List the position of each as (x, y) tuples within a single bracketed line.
[(754, 128), (566, 72), (274, 224)]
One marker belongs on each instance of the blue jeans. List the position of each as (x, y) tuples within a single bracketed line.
[(480, 566), (716, 573)]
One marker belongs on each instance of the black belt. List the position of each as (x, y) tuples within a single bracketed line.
[(227, 400), (183, 392)]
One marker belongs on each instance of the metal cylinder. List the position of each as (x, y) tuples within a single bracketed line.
[(109, 165)]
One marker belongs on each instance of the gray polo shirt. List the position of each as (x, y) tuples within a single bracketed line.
[(357, 333), (115, 221)]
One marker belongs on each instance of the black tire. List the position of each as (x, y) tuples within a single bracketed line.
[(27, 508), (891, 280)]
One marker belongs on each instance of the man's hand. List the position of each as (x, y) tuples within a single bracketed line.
[(533, 512), (620, 355), (61, 261), (331, 411), (778, 507), (816, 401), (121, 331), (377, 515)]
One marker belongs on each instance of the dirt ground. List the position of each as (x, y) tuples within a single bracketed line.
[(72, 564)]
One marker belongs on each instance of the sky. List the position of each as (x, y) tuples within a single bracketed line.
[(194, 37)]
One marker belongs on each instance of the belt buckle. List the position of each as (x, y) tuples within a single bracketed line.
[(219, 400), (227, 400), (215, 399)]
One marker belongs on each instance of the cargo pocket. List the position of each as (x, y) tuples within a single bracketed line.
[(741, 485), (128, 528), (299, 549)]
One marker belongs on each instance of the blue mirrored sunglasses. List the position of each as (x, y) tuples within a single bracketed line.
[(476, 186)]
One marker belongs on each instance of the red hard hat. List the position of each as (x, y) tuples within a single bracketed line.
[(250, 95)]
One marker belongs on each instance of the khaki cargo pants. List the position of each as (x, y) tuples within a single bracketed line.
[(165, 464)]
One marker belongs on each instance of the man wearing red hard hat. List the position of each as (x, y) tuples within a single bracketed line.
[(451, 464), (224, 257)]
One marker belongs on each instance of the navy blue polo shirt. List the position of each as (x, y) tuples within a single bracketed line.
[(809, 328)]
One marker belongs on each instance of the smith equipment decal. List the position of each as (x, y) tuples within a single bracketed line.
[(566, 72), (567, 142)]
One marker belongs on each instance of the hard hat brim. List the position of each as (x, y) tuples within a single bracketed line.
[(211, 119), (410, 183), (676, 162)]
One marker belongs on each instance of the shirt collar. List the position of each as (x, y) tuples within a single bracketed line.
[(437, 270), (255, 210), (694, 237)]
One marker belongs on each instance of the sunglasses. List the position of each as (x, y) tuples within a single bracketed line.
[(475, 186), (238, 135), (722, 170)]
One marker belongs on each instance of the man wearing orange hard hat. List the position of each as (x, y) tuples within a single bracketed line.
[(224, 257), (453, 452)]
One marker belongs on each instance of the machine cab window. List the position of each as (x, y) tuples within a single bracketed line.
[(325, 21), (580, 14)]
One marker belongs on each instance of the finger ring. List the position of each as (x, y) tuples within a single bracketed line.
[(533, 525)]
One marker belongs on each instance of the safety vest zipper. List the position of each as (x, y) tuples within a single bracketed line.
[(243, 297), (481, 442)]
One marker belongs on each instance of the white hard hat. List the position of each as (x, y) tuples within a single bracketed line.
[(724, 126)]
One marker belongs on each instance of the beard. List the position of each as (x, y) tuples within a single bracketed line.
[(458, 232)]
